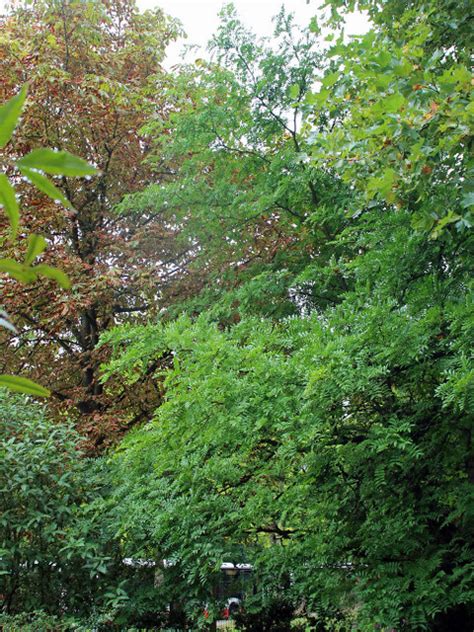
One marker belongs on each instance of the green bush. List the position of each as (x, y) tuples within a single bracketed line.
[(32, 622), (50, 557)]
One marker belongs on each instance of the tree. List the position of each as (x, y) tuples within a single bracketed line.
[(243, 194), (403, 114), (30, 166), (332, 446), (94, 75)]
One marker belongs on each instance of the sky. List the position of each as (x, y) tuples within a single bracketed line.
[(200, 18)]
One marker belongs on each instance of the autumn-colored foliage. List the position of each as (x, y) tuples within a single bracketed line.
[(94, 75)]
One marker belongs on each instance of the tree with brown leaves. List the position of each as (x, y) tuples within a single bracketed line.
[(95, 76)]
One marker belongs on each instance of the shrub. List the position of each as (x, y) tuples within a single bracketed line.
[(49, 559)]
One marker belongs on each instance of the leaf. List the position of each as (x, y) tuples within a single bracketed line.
[(449, 218), (9, 115), (468, 199), (36, 245), (17, 270), (330, 79), (393, 102), (314, 27), (23, 385), (294, 91), (390, 104), (55, 274), (56, 163), (45, 185), (382, 185), (9, 202)]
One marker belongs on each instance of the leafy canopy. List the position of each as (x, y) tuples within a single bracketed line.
[(329, 441)]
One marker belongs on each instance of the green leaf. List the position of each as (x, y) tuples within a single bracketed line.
[(56, 163), (450, 218), (9, 115), (314, 26), (45, 185), (468, 199), (461, 74), (17, 270), (294, 91), (55, 274), (382, 185), (9, 202), (28, 274), (23, 385), (330, 79), (36, 245), (390, 104)]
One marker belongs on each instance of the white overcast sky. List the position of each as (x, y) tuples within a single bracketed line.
[(200, 18)]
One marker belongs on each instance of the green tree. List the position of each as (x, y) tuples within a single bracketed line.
[(249, 206), (401, 99), (332, 440)]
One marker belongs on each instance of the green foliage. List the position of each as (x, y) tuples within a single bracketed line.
[(9, 115), (314, 376), (56, 163), (22, 385), (9, 202), (401, 99), (249, 205), (51, 556), (449, 20), (38, 160), (314, 436), (32, 622), (317, 415)]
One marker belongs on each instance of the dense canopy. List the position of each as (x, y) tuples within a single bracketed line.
[(266, 349)]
